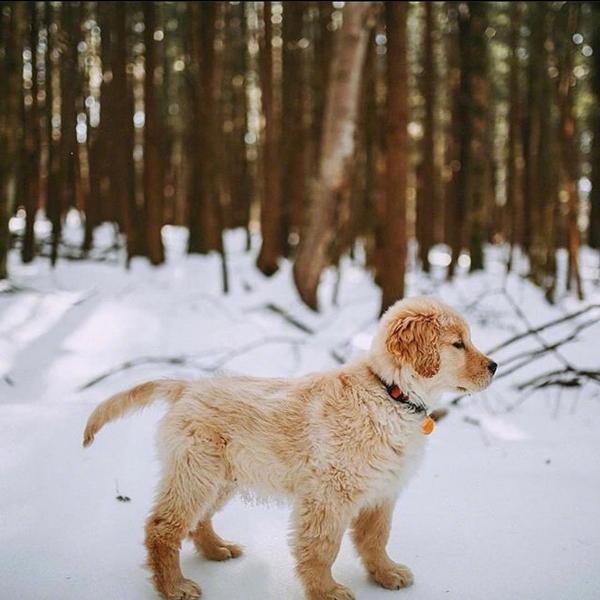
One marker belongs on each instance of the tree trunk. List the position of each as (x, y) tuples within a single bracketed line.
[(30, 171), (568, 139), (205, 233), (428, 205), (337, 150), (120, 112), (153, 161), (461, 133), (293, 175), (240, 179), (12, 37), (514, 182), (271, 209), (594, 229), (68, 148), (394, 255), (321, 68), (478, 163)]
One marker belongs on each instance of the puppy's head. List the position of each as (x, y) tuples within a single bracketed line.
[(433, 343)]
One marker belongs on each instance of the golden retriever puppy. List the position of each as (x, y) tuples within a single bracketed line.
[(340, 445)]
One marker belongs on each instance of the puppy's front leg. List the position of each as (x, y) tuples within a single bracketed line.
[(318, 531), (370, 532)]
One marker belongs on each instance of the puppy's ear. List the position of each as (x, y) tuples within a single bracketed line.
[(413, 339)]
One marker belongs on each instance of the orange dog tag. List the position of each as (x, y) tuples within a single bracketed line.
[(428, 426)]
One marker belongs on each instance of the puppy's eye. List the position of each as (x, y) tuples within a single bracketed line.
[(459, 345)]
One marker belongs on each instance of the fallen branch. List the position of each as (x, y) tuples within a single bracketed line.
[(554, 378), (533, 355), (540, 328), (189, 360), (289, 318)]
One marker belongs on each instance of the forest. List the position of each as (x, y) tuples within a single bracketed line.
[(399, 133), (192, 190)]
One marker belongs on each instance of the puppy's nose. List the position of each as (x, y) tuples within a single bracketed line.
[(492, 366)]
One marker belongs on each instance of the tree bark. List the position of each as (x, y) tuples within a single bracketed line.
[(394, 254), (68, 147), (478, 164), (337, 150), (461, 139), (11, 64), (30, 171), (514, 183), (153, 161), (119, 113), (271, 213), (568, 139), (293, 175), (594, 228), (428, 213), (205, 233)]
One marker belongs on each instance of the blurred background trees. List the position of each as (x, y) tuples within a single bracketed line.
[(416, 134)]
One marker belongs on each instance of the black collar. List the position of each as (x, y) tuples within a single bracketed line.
[(401, 397)]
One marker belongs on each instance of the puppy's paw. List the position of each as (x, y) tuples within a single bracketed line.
[(224, 552), (185, 589), (393, 576), (339, 592)]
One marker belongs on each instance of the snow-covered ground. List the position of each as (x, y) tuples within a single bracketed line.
[(506, 505)]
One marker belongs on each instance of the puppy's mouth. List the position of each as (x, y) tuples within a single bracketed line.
[(462, 389)]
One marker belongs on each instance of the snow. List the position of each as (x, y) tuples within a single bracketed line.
[(506, 504)]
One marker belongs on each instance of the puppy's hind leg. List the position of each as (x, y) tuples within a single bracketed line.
[(190, 485), (207, 542)]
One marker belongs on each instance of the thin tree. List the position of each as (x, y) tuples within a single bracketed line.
[(478, 162), (568, 142), (68, 148), (337, 149), (594, 230), (153, 161), (293, 172), (454, 189), (30, 172), (270, 209), (515, 161), (428, 205), (12, 34), (118, 109), (396, 160)]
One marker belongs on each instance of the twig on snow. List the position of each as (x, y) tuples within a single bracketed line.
[(190, 360)]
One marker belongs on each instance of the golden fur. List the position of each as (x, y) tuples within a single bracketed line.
[(334, 443)]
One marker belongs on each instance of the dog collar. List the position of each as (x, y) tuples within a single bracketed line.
[(401, 397)]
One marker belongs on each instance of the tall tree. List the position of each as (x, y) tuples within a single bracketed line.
[(239, 168), (594, 236), (428, 204), (271, 206), (30, 165), (337, 149), (293, 171), (206, 222), (153, 161), (568, 141), (453, 192), (205, 234), (396, 160), (478, 161), (69, 88), (12, 34), (119, 112), (515, 161)]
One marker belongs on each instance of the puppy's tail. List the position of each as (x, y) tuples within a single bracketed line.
[(135, 398)]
